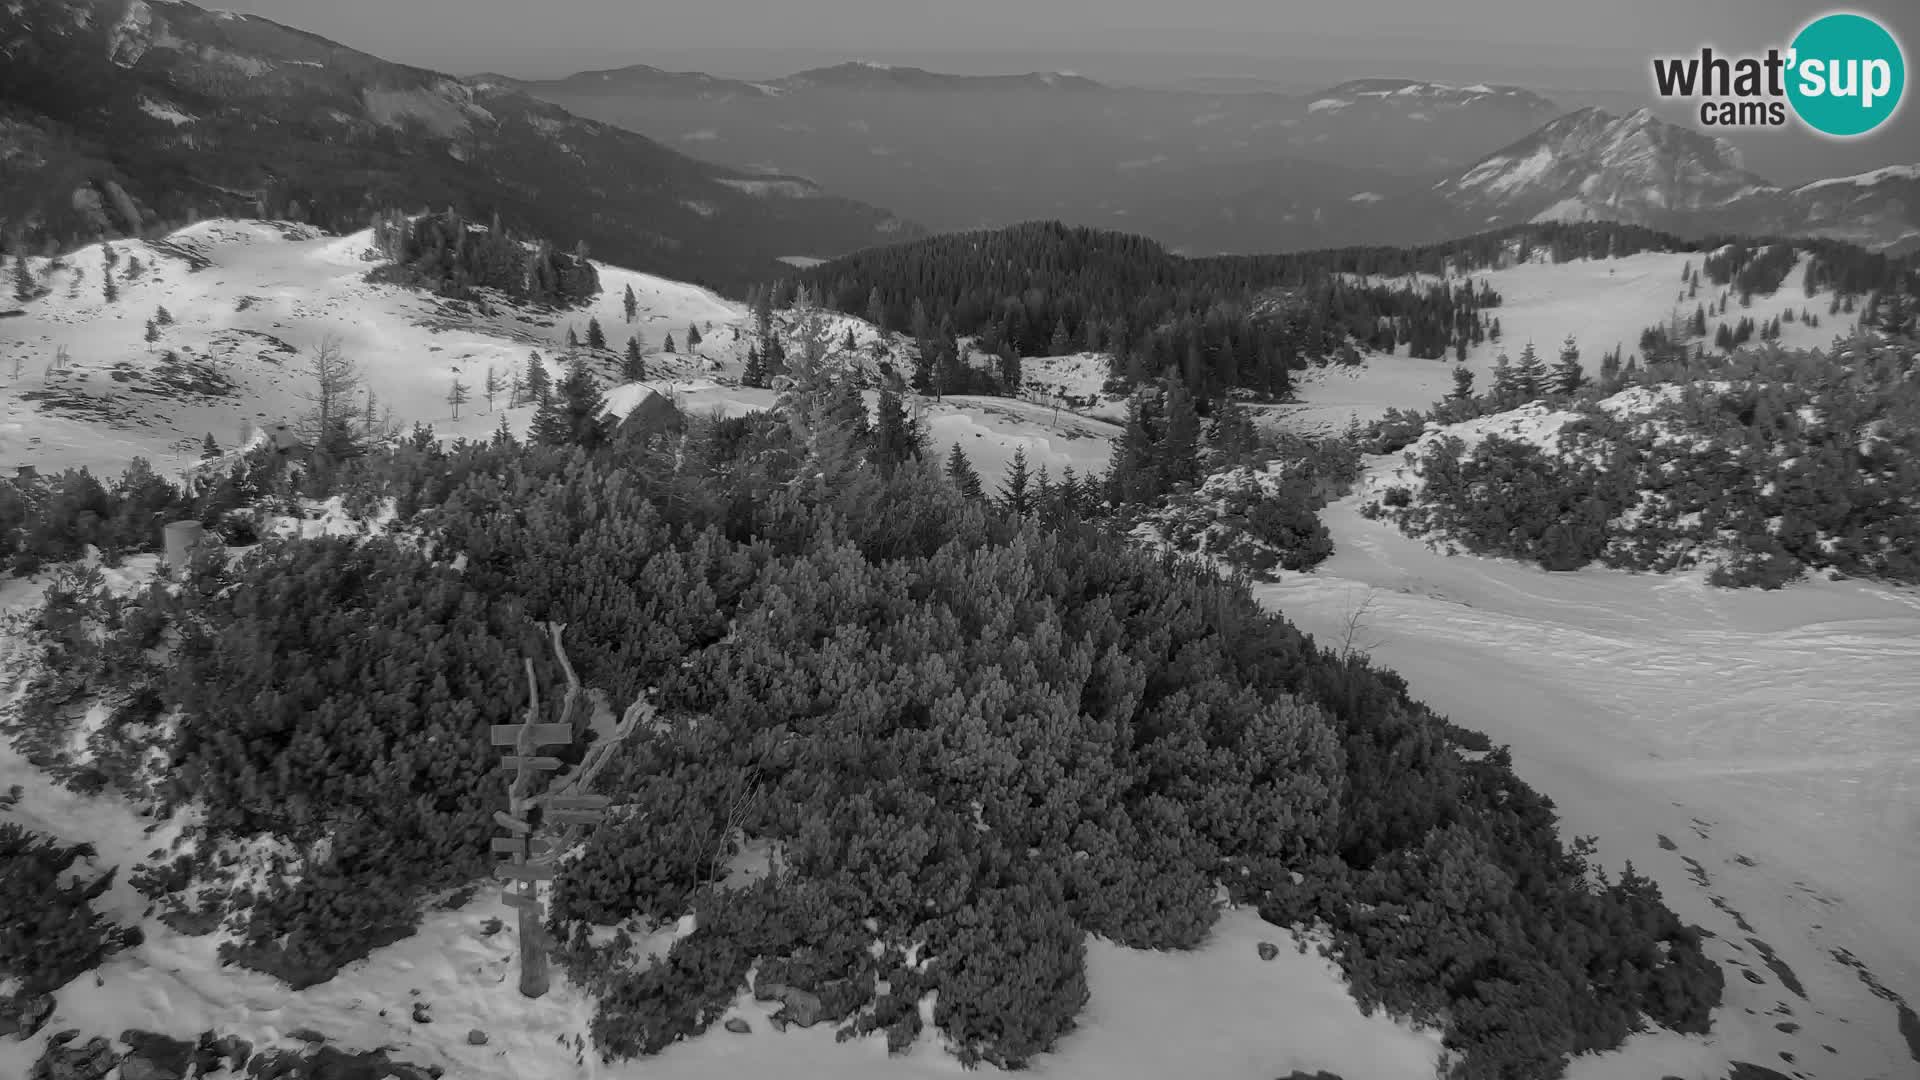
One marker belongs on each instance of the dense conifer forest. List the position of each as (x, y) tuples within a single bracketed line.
[(1063, 733)]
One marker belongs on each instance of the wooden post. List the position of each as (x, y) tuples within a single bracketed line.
[(534, 978), (566, 809)]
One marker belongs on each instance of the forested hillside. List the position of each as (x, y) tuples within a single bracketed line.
[(1249, 322), (1063, 734)]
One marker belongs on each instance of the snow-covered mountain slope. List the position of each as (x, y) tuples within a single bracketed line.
[(214, 113), (250, 301), (1601, 303), (1880, 208), (1593, 165)]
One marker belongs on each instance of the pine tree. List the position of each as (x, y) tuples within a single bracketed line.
[(693, 337), (209, 448), (1016, 495), (457, 396), (631, 303), (1462, 383), (491, 387), (596, 337), (1568, 377), (573, 340), (960, 470), (503, 435), (635, 368), (668, 344)]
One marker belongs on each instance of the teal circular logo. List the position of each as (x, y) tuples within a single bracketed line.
[(1846, 74)]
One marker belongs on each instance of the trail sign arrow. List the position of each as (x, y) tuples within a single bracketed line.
[(526, 871), (576, 802), (543, 734), (508, 821), (537, 763), (575, 817), (514, 899), (513, 845)]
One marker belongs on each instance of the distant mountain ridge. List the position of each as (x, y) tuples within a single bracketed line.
[(122, 116), (1592, 165)]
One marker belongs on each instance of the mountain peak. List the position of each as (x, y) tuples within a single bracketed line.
[(1591, 163)]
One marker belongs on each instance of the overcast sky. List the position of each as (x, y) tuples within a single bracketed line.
[(1589, 38)]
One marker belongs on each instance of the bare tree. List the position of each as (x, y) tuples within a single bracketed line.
[(337, 381), (491, 387), (1353, 641), (457, 396)]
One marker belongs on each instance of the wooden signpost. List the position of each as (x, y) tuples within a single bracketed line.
[(566, 809)]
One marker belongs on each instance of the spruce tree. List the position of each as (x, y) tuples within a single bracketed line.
[(209, 448), (1180, 450), (23, 287), (668, 344), (583, 409), (894, 439), (876, 311), (573, 339), (539, 382), (693, 337), (1530, 374), (631, 304), (1505, 387), (1568, 377), (1462, 383), (1016, 495), (596, 337), (960, 470), (755, 373), (635, 367)]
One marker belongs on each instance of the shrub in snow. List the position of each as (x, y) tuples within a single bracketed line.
[(49, 931)]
